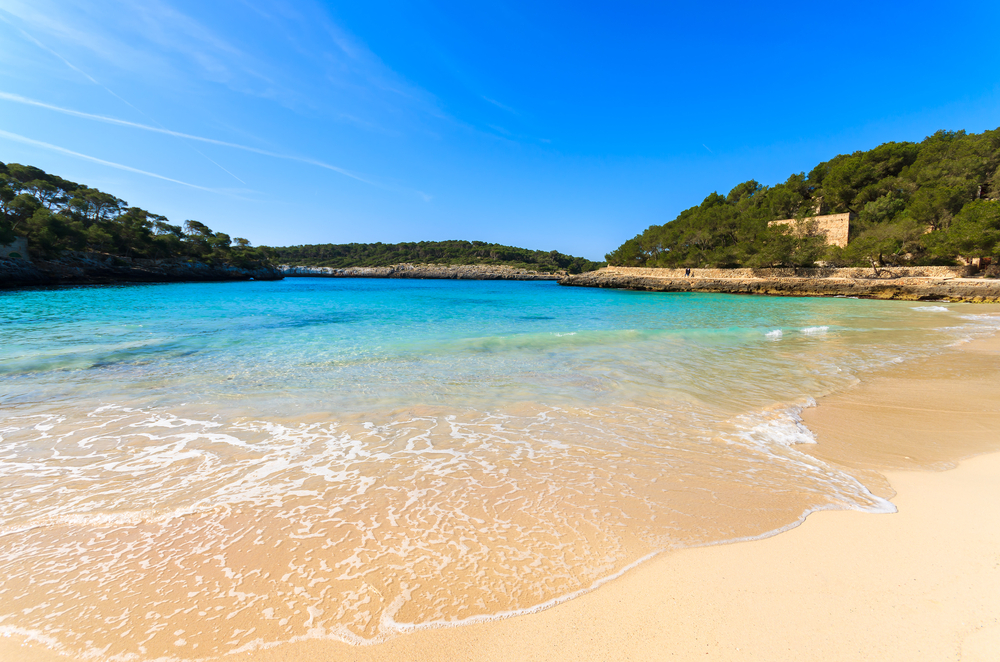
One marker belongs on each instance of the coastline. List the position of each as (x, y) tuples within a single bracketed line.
[(857, 586), (429, 271), (919, 584), (908, 284), (96, 269)]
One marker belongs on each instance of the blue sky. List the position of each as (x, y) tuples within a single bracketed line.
[(568, 126)]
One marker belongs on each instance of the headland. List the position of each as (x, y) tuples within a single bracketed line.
[(431, 271), (79, 268), (904, 283)]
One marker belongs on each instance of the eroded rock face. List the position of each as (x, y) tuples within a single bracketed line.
[(94, 268), (439, 271), (910, 288)]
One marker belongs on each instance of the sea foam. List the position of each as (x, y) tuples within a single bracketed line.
[(352, 459)]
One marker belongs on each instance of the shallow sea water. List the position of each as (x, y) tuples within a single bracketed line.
[(188, 470)]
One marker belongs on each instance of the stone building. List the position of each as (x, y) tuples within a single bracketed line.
[(834, 228)]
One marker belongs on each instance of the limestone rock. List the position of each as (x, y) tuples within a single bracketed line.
[(913, 284)]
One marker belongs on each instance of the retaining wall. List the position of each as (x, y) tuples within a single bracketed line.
[(793, 272)]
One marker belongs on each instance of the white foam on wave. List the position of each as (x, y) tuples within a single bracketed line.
[(774, 335), (39, 637), (992, 319), (362, 510), (394, 626), (782, 426), (815, 330), (780, 429), (98, 519), (932, 309), (980, 326)]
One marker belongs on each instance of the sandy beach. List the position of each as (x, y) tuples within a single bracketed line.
[(922, 584), (339, 332), (919, 584)]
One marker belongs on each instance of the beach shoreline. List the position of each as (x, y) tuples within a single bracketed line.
[(75, 268), (421, 271), (905, 284), (918, 584)]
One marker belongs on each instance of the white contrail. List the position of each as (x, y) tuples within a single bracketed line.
[(112, 164), (105, 88), (177, 134), (64, 60)]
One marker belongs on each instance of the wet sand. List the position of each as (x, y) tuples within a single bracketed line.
[(920, 584)]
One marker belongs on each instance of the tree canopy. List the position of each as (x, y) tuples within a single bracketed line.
[(920, 203), (340, 256), (57, 215)]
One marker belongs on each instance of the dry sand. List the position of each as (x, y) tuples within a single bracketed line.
[(920, 584)]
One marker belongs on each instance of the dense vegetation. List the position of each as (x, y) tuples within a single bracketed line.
[(58, 215), (916, 203), (340, 256)]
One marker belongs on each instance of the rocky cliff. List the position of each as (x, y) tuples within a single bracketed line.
[(440, 271), (94, 268), (943, 285)]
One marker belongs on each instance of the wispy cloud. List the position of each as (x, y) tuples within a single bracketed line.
[(69, 64), (335, 74), (93, 159), (335, 77), (177, 134), (49, 50), (106, 89), (499, 105), (151, 39)]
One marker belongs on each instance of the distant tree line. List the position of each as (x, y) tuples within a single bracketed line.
[(916, 203), (57, 215), (340, 256)]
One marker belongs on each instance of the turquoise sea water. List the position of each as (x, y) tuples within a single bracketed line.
[(365, 345), (254, 462)]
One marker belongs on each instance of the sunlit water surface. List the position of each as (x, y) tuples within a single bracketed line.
[(193, 469)]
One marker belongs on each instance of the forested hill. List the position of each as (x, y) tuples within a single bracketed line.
[(340, 256), (58, 215), (916, 203)]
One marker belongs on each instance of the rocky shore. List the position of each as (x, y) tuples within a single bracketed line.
[(439, 271), (910, 284), (98, 269)]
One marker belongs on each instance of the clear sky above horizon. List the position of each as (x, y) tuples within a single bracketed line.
[(568, 126)]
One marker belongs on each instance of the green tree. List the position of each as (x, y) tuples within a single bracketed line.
[(884, 245), (975, 232), (56, 215), (898, 191)]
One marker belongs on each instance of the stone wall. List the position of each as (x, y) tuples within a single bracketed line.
[(792, 272), (932, 284), (835, 228)]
